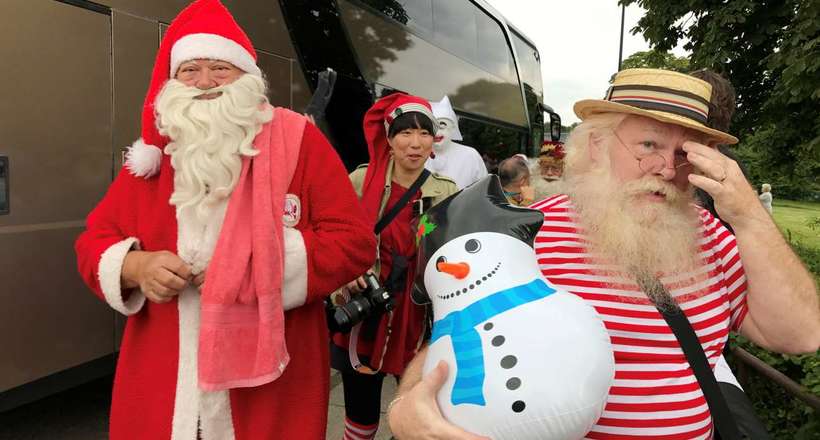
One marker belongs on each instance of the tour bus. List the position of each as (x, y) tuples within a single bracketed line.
[(75, 76)]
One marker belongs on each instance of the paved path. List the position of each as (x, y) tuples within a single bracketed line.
[(82, 414)]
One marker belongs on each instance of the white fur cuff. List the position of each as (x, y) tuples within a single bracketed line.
[(143, 160), (212, 47), (294, 285), (109, 273)]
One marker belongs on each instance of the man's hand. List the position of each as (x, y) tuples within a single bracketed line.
[(198, 280), (356, 286), (416, 415), (721, 177), (160, 275)]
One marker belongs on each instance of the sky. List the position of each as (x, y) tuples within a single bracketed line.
[(578, 42)]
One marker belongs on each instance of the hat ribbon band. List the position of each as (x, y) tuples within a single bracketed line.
[(655, 105)]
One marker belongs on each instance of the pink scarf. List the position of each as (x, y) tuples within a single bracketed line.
[(242, 324)]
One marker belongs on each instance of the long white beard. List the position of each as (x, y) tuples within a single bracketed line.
[(649, 238), (209, 137), (542, 187)]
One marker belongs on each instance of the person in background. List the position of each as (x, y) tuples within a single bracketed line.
[(766, 196), (549, 167), (514, 174), (459, 162), (627, 239), (399, 130)]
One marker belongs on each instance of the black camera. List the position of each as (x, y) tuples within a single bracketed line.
[(375, 299)]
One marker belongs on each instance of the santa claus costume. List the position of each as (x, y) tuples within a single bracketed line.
[(207, 364)]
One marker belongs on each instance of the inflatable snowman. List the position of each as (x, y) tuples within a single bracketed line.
[(527, 360)]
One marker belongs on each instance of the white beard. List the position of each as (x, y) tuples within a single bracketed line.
[(209, 138), (544, 188), (648, 238)]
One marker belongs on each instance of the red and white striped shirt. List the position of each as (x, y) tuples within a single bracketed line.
[(655, 394)]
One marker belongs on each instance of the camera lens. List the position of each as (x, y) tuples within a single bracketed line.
[(373, 300)]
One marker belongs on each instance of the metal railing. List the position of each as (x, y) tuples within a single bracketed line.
[(747, 360)]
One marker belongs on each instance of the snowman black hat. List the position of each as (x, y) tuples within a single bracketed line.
[(481, 207)]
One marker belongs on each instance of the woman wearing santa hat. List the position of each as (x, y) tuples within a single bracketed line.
[(399, 129)]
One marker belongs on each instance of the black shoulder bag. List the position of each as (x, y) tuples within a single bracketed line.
[(724, 422)]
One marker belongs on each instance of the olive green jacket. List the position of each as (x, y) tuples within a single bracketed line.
[(436, 188)]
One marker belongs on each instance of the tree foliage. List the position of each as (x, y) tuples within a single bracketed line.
[(656, 60), (770, 51)]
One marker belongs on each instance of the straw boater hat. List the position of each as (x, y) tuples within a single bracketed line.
[(662, 95)]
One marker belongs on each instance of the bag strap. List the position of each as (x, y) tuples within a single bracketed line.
[(395, 209), (723, 419)]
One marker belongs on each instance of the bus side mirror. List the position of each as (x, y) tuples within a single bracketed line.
[(555, 126)]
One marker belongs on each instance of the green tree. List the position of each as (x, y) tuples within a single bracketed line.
[(770, 51), (656, 60)]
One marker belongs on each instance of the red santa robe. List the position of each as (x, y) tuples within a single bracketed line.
[(155, 388)]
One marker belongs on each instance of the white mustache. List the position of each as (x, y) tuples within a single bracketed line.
[(652, 185)]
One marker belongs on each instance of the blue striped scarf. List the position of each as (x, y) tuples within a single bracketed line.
[(460, 326)]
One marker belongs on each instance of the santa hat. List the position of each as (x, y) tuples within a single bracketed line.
[(443, 109), (552, 152), (377, 123), (203, 30)]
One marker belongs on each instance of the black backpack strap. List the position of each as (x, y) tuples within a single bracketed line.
[(395, 209), (722, 417)]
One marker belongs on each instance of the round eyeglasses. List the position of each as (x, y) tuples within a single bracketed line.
[(652, 161)]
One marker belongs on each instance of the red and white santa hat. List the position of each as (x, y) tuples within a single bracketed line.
[(203, 30), (377, 122)]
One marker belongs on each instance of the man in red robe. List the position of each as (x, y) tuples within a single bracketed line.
[(219, 238)]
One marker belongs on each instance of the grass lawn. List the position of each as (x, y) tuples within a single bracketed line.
[(793, 217)]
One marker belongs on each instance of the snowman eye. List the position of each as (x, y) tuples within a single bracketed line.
[(440, 259), (472, 246)]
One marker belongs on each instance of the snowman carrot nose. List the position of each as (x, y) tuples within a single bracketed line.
[(458, 270)]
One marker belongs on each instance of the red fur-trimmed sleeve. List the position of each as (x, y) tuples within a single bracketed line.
[(337, 244), (101, 248)]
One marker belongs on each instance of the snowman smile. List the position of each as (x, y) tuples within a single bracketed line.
[(472, 285)]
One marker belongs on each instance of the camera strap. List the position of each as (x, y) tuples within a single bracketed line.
[(394, 210), (385, 220), (722, 418)]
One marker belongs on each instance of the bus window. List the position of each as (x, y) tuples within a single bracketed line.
[(494, 142), (394, 55), (420, 15), (455, 27), (529, 63), (493, 52)]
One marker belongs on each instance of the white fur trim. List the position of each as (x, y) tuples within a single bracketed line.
[(216, 421), (187, 396), (212, 47), (109, 272), (212, 411), (192, 406), (143, 160), (294, 285)]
